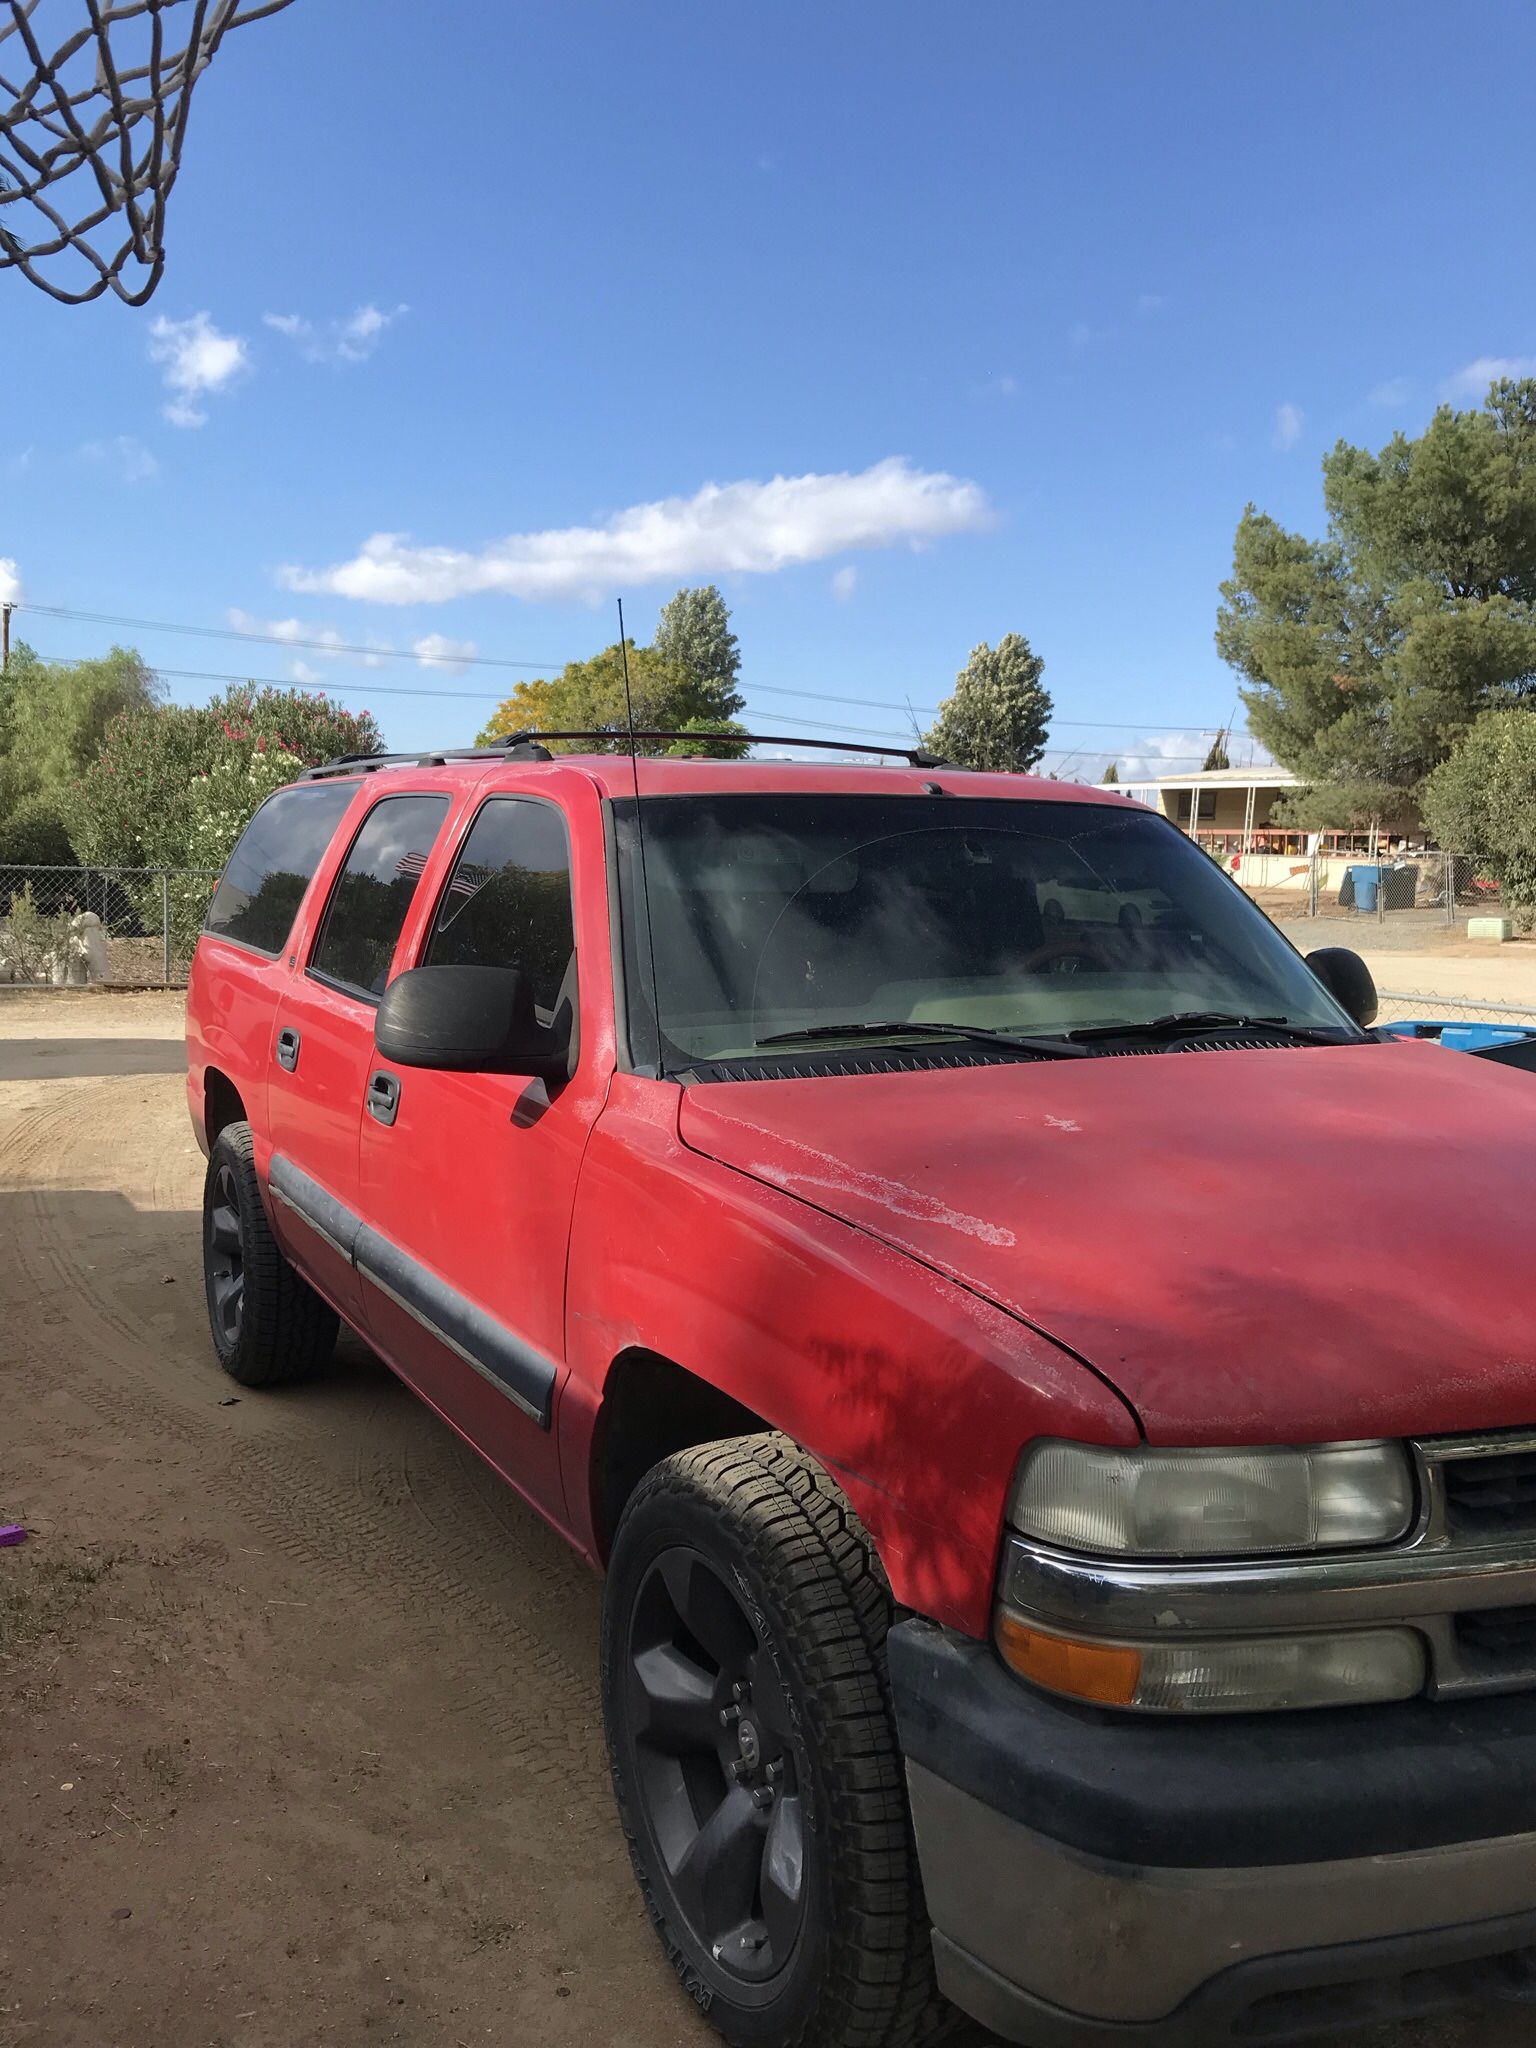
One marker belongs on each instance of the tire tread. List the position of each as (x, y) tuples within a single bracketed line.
[(287, 1332), (833, 1607)]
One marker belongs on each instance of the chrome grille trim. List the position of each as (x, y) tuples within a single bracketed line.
[(1438, 1571)]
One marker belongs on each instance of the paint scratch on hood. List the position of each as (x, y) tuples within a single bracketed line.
[(836, 1176), (1064, 1123)]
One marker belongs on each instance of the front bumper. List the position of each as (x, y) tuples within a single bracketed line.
[(1097, 1879)]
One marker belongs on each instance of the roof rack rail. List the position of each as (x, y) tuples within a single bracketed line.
[(365, 764), (919, 757), (528, 746)]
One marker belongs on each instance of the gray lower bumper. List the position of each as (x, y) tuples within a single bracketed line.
[(1048, 1945)]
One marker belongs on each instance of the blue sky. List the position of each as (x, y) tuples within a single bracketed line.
[(1026, 302)]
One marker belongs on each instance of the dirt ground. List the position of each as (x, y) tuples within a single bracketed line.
[(299, 1735)]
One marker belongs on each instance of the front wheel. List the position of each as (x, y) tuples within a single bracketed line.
[(754, 1752)]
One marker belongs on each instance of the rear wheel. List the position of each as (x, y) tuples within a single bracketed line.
[(754, 1752), (268, 1324)]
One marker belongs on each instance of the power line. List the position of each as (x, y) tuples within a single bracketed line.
[(214, 675), (339, 647), (210, 675), (58, 611)]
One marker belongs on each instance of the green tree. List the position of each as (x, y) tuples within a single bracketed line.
[(54, 714), (998, 714), (33, 834), (694, 634), (1111, 773), (1217, 756), (588, 696), (1481, 800), (1367, 654)]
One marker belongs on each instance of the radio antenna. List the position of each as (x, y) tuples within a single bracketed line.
[(645, 880)]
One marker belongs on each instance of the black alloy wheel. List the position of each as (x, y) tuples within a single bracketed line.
[(755, 1757), (716, 1768), (268, 1324), (225, 1257)]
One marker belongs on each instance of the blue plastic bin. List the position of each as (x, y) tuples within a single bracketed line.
[(1461, 1037), (1366, 881)]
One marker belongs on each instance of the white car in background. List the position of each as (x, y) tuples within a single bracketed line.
[(1090, 899)]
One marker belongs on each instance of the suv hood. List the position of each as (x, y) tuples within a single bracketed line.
[(1293, 1246)]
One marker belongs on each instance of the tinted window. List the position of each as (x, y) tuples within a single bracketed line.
[(373, 892), (508, 900), (274, 863), (780, 913)]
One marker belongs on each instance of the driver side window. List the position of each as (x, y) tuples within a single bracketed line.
[(508, 901)]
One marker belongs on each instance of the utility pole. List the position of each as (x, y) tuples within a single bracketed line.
[(5, 635)]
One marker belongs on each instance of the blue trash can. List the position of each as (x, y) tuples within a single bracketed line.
[(1366, 880)]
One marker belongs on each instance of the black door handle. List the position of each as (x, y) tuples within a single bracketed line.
[(288, 1049), (383, 1097)]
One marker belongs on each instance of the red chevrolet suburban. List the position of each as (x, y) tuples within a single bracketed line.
[(1054, 1396)]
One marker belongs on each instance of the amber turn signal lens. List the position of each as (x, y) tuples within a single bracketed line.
[(1106, 1673)]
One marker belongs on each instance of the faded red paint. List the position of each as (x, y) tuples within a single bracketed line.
[(914, 1274)]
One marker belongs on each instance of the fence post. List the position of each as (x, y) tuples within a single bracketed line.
[(165, 922), (1450, 888), (1312, 884)]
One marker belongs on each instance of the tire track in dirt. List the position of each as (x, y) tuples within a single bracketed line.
[(455, 1566)]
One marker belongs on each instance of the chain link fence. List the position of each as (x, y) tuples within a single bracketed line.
[(112, 927), (1417, 1005), (1428, 889)]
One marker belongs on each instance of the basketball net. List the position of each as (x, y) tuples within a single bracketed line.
[(91, 136)]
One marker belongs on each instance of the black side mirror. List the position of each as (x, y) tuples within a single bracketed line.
[(468, 1020), (1347, 979)]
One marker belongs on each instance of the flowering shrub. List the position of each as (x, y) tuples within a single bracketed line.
[(221, 803), (138, 804)]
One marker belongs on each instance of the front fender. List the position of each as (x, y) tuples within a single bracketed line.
[(917, 1394)]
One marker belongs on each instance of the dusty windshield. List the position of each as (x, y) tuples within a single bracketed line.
[(785, 913)]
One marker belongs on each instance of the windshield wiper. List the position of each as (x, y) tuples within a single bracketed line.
[(1044, 1048), (1180, 1023)]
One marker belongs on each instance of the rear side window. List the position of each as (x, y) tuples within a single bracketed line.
[(274, 863), (508, 900), (373, 892)]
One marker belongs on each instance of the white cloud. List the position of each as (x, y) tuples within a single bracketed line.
[(436, 650), (1289, 420), (1474, 379), (1393, 391), (10, 581), (843, 583), (1151, 302), (195, 359), (303, 673), (747, 528), (352, 340), (134, 463)]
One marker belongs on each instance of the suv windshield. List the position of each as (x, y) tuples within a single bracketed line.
[(778, 914)]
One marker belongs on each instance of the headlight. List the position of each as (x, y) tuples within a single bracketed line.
[(1238, 1503), (1240, 1676)]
